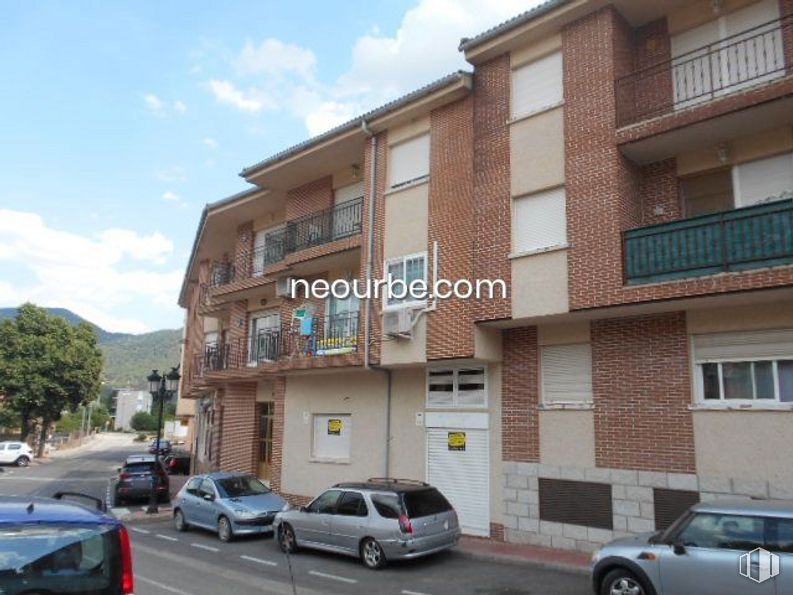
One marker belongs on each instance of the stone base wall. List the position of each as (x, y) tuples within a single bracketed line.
[(632, 501)]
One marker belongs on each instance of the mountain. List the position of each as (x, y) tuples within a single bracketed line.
[(128, 358)]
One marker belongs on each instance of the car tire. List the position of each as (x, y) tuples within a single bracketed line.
[(22, 461), (372, 554), (225, 532), (179, 522), (622, 581), (286, 539)]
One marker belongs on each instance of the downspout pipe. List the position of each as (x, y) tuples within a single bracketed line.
[(367, 330)]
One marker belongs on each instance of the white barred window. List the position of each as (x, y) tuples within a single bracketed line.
[(457, 387)]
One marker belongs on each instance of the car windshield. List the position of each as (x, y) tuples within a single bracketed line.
[(239, 486), (65, 558), (425, 503)]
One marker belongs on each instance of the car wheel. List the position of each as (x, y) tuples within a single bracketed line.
[(22, 461), (286, 539), (372, 554), (225, 533), (178, 521), (622, 581)]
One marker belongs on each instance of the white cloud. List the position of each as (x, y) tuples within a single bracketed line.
[(180, 106), (283, 77), (154, 103), (170, 196), (211, 143), (101, 278)]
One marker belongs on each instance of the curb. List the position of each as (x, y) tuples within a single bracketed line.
[(140, 517), (520, 560)]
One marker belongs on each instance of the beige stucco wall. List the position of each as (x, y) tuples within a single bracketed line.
[(487, 344), (537, 152), (265, 391), (347, 176), (744, 444), (211, 325), (536, 50), (494, 406), (395, 352), (563, 333), (269, 220), (408, 440), (406, 131), (738, 318), (406, 221), (363, 396), (539, 284), (697, 12), (567, 438), (748, 148)]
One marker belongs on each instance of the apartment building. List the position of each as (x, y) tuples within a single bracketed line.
[(627, 168)]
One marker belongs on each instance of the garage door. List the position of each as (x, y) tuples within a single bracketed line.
[(457, 464)]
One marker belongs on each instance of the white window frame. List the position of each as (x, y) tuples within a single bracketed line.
[(347, 423), (399, 185), (516, 251), (252, 318), (572, 404), (455, 370), (407, 303)]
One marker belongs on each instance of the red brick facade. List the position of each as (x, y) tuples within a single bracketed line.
[(309, 198), (520, 432), (640, 380), (238, 447)]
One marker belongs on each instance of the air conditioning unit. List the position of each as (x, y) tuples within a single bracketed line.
[(283, 286), (398, 323)]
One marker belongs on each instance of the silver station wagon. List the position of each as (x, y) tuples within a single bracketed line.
[(715, 548), (378, 520)]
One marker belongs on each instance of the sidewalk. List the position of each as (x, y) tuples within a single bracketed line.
[(137, 514), (486, 549)]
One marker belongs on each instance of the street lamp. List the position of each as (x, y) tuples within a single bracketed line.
[(161, 388)]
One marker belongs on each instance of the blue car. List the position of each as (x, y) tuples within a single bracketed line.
[(51, 545), (231, 504)]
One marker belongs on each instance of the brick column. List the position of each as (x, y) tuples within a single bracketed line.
[(520, 432), (239, 428), (243, 251), (642, 393)]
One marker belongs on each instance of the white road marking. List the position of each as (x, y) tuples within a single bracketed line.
[(259, 561), (334, 577), (148, 581), (208, 548), (404, 592), (166, 537), (137, 530)]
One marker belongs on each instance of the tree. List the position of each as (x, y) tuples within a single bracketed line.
[(143, 422), (47, 367)]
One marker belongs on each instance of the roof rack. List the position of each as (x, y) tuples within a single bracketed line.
[(397, 480)]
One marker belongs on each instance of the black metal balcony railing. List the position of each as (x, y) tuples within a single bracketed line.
[(265, 346), (748, 238), (742, 60), (221, 273)]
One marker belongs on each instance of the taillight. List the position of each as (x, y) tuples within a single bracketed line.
[(405, 525), (124, 476), (127, 578)]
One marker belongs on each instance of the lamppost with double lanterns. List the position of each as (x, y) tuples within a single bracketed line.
[(161, 388)]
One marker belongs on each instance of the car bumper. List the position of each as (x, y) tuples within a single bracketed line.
[(261, 524), (407, 549)]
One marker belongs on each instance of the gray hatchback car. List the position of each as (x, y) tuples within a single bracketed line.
[(377, 520), (715, 548)]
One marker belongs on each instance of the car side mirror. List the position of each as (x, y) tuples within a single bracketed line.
[(209, 497), (678, 548), (305, 509)]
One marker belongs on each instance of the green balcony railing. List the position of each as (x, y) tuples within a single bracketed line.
[(748, 238)]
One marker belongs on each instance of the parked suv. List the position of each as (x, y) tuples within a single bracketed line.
[(136, 476), (377, 520), (50, 545), (17, 453), (707, 551), (164, 447)]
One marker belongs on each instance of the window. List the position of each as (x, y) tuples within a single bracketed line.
[(583, 503), (781, 535), (207, 488), (352, 504), (747, 366), (669, 505), (266, 413), (407, 269), (192, 486), (240, 486), (456, 387), (325, 502), (539, 221), (705, 193), (348, 201), (723, 531), (566, 372), (425, 503), (537, 86), (409, 161), (332, 437), (342, 319), (387, 506), (763, 180), (264, 336)]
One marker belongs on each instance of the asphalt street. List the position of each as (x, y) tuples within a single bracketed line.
[(196, 563)]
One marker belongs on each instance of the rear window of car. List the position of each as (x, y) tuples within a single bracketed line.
[(139, 467), (425, 503), (60, 558)]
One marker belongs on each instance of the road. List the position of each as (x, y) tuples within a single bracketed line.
[(196, 563)]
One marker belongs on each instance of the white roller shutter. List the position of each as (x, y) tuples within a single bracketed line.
[(537, 85), (539, 221), (463, 476), (258, 252), (758, 55), (757, 181), (348, 193), (694, 71), (566, 372), (409, 161), (762, 345)]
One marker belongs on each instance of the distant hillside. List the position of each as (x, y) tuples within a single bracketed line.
[(103, 335), (128, 358)]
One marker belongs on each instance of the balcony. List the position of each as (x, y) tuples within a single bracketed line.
[(741, 239), (279, 348), (732, 64)]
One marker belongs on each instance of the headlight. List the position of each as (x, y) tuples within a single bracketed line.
[(286, 507), (244, 514)]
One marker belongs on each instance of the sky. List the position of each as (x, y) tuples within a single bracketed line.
[(121, 120)]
